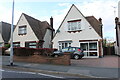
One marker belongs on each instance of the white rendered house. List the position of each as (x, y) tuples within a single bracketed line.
[(32, 33), (76, 30)]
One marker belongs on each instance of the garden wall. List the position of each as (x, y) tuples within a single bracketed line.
[(61, 60)]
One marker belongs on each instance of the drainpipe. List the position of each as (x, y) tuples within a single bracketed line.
[(101, 26), (116, 23), (51, 24)]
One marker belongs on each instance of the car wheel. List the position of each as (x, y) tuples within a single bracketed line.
[(56, 56), (76, 57)]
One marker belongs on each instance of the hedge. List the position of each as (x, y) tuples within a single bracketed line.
[(23, 51), (2, 49)]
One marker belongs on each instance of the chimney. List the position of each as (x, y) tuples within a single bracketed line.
[(100, 20), (116, 20), (51, 22)]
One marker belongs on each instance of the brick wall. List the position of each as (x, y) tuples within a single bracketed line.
[(62, 60)]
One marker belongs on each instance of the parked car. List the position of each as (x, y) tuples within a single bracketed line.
[(75, 52)]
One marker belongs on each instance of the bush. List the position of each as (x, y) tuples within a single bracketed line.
[(2, 49), (44, 51), (7, 45), (22, 51)]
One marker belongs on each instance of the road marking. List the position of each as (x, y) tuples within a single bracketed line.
[(27, 72), (49, 75), (2, 70), (34, 73)]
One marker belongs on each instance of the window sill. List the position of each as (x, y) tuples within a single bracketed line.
[(74, 31), (22, 34)]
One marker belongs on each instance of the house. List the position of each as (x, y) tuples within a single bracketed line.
[(117, 22), (1, 40), (76, 30), (5, 30), (32, 33)]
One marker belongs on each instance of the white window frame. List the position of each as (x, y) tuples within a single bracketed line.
[(60, 44), (73, 27), (22, 30), (91, 51)]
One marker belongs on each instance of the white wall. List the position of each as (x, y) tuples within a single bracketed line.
[(119, 10), (30, 36), (1, 40), (47, 39), (86, 34)]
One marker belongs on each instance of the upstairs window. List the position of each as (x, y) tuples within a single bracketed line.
[(22, 30), (74, 25)]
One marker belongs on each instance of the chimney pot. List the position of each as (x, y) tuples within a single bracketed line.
[(100, 20), (116, 20)]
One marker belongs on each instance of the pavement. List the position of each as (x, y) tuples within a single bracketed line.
[(106, 67)]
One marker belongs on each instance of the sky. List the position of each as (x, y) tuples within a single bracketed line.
[(44, 9)]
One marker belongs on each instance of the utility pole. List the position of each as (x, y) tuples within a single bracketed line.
[(12, 25)]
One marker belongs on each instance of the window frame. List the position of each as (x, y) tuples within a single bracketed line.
[(22, 30), (88, 51), (74, 25)]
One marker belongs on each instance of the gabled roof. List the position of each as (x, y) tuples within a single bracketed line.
[(95, 24), (5, 30), (91, 20), (38, 27)]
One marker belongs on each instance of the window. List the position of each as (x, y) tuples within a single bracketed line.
[(64, 44), (72, 49), (1, 44), (31, 44), (16, 44), (90, 48), (65, 50), (22, 30), (74, 25)]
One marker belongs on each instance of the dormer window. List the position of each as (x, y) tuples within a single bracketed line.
[(22, 30), (74, 25)]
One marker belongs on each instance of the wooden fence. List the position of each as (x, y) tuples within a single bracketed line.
[(109, 50)]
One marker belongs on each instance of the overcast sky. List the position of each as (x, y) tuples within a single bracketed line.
[(44, 9)]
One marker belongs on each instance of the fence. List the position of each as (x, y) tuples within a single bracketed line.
[(109, 50)]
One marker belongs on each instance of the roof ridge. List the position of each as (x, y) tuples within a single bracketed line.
[(30, 17)]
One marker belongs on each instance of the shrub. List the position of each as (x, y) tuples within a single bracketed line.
[(2, 49), (22, 51), (7, 45), (44, 51)]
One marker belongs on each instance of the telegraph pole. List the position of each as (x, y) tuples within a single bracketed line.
[(11, 43)]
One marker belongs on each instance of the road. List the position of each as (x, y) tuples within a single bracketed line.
[(100, 72), (23, 74)]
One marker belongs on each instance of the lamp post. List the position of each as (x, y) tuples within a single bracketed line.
[(11, 43)]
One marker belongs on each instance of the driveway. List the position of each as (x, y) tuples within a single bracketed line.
[(110, 61)]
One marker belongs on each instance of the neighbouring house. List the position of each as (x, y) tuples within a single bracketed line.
[(32, 33), (117, 22), (1, 40), (76, 30), (5, 30)]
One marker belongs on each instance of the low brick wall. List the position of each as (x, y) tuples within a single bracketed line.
[(61, 60)]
